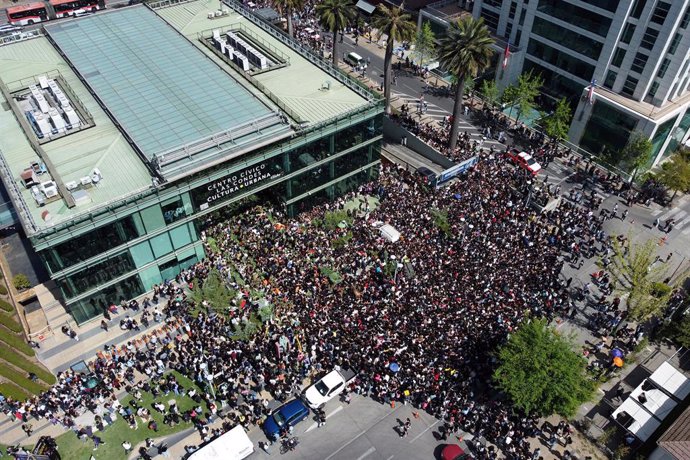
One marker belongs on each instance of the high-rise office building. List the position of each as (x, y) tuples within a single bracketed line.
[(635, 50)]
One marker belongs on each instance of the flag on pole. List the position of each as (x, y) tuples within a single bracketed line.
[(506, 55), (590, 93)]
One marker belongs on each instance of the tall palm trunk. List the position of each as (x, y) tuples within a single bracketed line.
[(387, 60), (335, 49), (289, 21), (457, 110)]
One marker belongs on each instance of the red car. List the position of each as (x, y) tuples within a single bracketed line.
[(453, 452), (524, 160)]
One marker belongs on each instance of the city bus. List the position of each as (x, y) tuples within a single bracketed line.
[(33, 13), (25, 15), (67, 8)]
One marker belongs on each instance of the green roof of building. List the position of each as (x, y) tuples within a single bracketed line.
[(300, 86)]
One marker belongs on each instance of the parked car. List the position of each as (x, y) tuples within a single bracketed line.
[(524, 160), (453, 452), (287, 415), (328, 387)]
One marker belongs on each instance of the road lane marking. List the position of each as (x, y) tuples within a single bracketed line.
[(427, 429), (367, 453), (379, 420), (314, 425)]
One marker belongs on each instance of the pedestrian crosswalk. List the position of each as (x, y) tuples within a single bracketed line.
[(680, 216), (439, 114)]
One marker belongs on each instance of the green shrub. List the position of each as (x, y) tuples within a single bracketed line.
[(332, 219), (6, 306), (10, 323), (3, 290), (10, 390), (21, 362), (21, 282), (332, 275), (21, 379), (16, 341)]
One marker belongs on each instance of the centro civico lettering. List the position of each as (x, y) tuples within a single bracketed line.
[(238, 181)]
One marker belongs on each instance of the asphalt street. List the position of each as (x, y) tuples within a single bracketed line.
[(363, 429)]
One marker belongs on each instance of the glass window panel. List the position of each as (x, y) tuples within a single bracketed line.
[(180, 236), (649, 38), (150, 276), (96, 304), (628, 33), (629, 86), (153, 218), (660, 12), (579, 43), (98, 274), (564, 61), (663, 68), (579, 17), (618, 57), (173, 210), (161, 245), (674, 43), (142, 254), (639, 62)]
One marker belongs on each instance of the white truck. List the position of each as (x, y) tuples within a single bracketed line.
[(233, 445), (328, 387)]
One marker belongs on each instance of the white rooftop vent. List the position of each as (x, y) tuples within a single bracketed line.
[(86, 180), (57, 120), (41, 102), (71, 185), (49, 189), (42, 123), (218, 13), (211, 15), (43, 81), (226, 11), (72, 118), (96, 175)]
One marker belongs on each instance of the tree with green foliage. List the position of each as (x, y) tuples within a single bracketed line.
[(334, 16), (21, 282), (541, 372), (465, 51), (528, 88), (288, 8), (490, 92), (557, 123), (398, 27), (675, 174), (640, 278), (677, 332), (635, 154), (425, 44), (213, 292)]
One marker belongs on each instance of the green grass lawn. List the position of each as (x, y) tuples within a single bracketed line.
[(73, 448)]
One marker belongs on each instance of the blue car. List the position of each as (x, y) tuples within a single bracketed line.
[(287, 415)]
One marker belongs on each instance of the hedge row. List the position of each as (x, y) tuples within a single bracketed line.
[(21, 362), (10, 390), (10, 323), (21, 379), (3, 289), (16, 341), (4, 305)]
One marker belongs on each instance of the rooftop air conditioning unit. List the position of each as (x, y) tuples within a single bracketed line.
[(71, 185), (211, 15)]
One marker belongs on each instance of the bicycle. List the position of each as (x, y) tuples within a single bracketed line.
[(289, 444)]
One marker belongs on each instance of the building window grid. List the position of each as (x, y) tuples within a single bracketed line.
[(660, 13), (639, 63), (674, 43), (649, 38), (629, 86), (663, 68), (637, 8), (513, 9), (686, 18), (618, 57), (628, 32)]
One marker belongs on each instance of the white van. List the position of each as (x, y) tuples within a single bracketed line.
[(233, 445), (355, 60)]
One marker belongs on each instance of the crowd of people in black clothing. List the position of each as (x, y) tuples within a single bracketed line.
[(460, 293)]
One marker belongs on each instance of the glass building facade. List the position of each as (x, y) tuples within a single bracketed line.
[(123, 253)]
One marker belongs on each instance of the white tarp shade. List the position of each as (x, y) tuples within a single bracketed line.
[(389, 233), (671, 380)]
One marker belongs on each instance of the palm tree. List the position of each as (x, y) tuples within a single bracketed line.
[(334, 15), (287, 7), (464, 51), (397, 26)]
